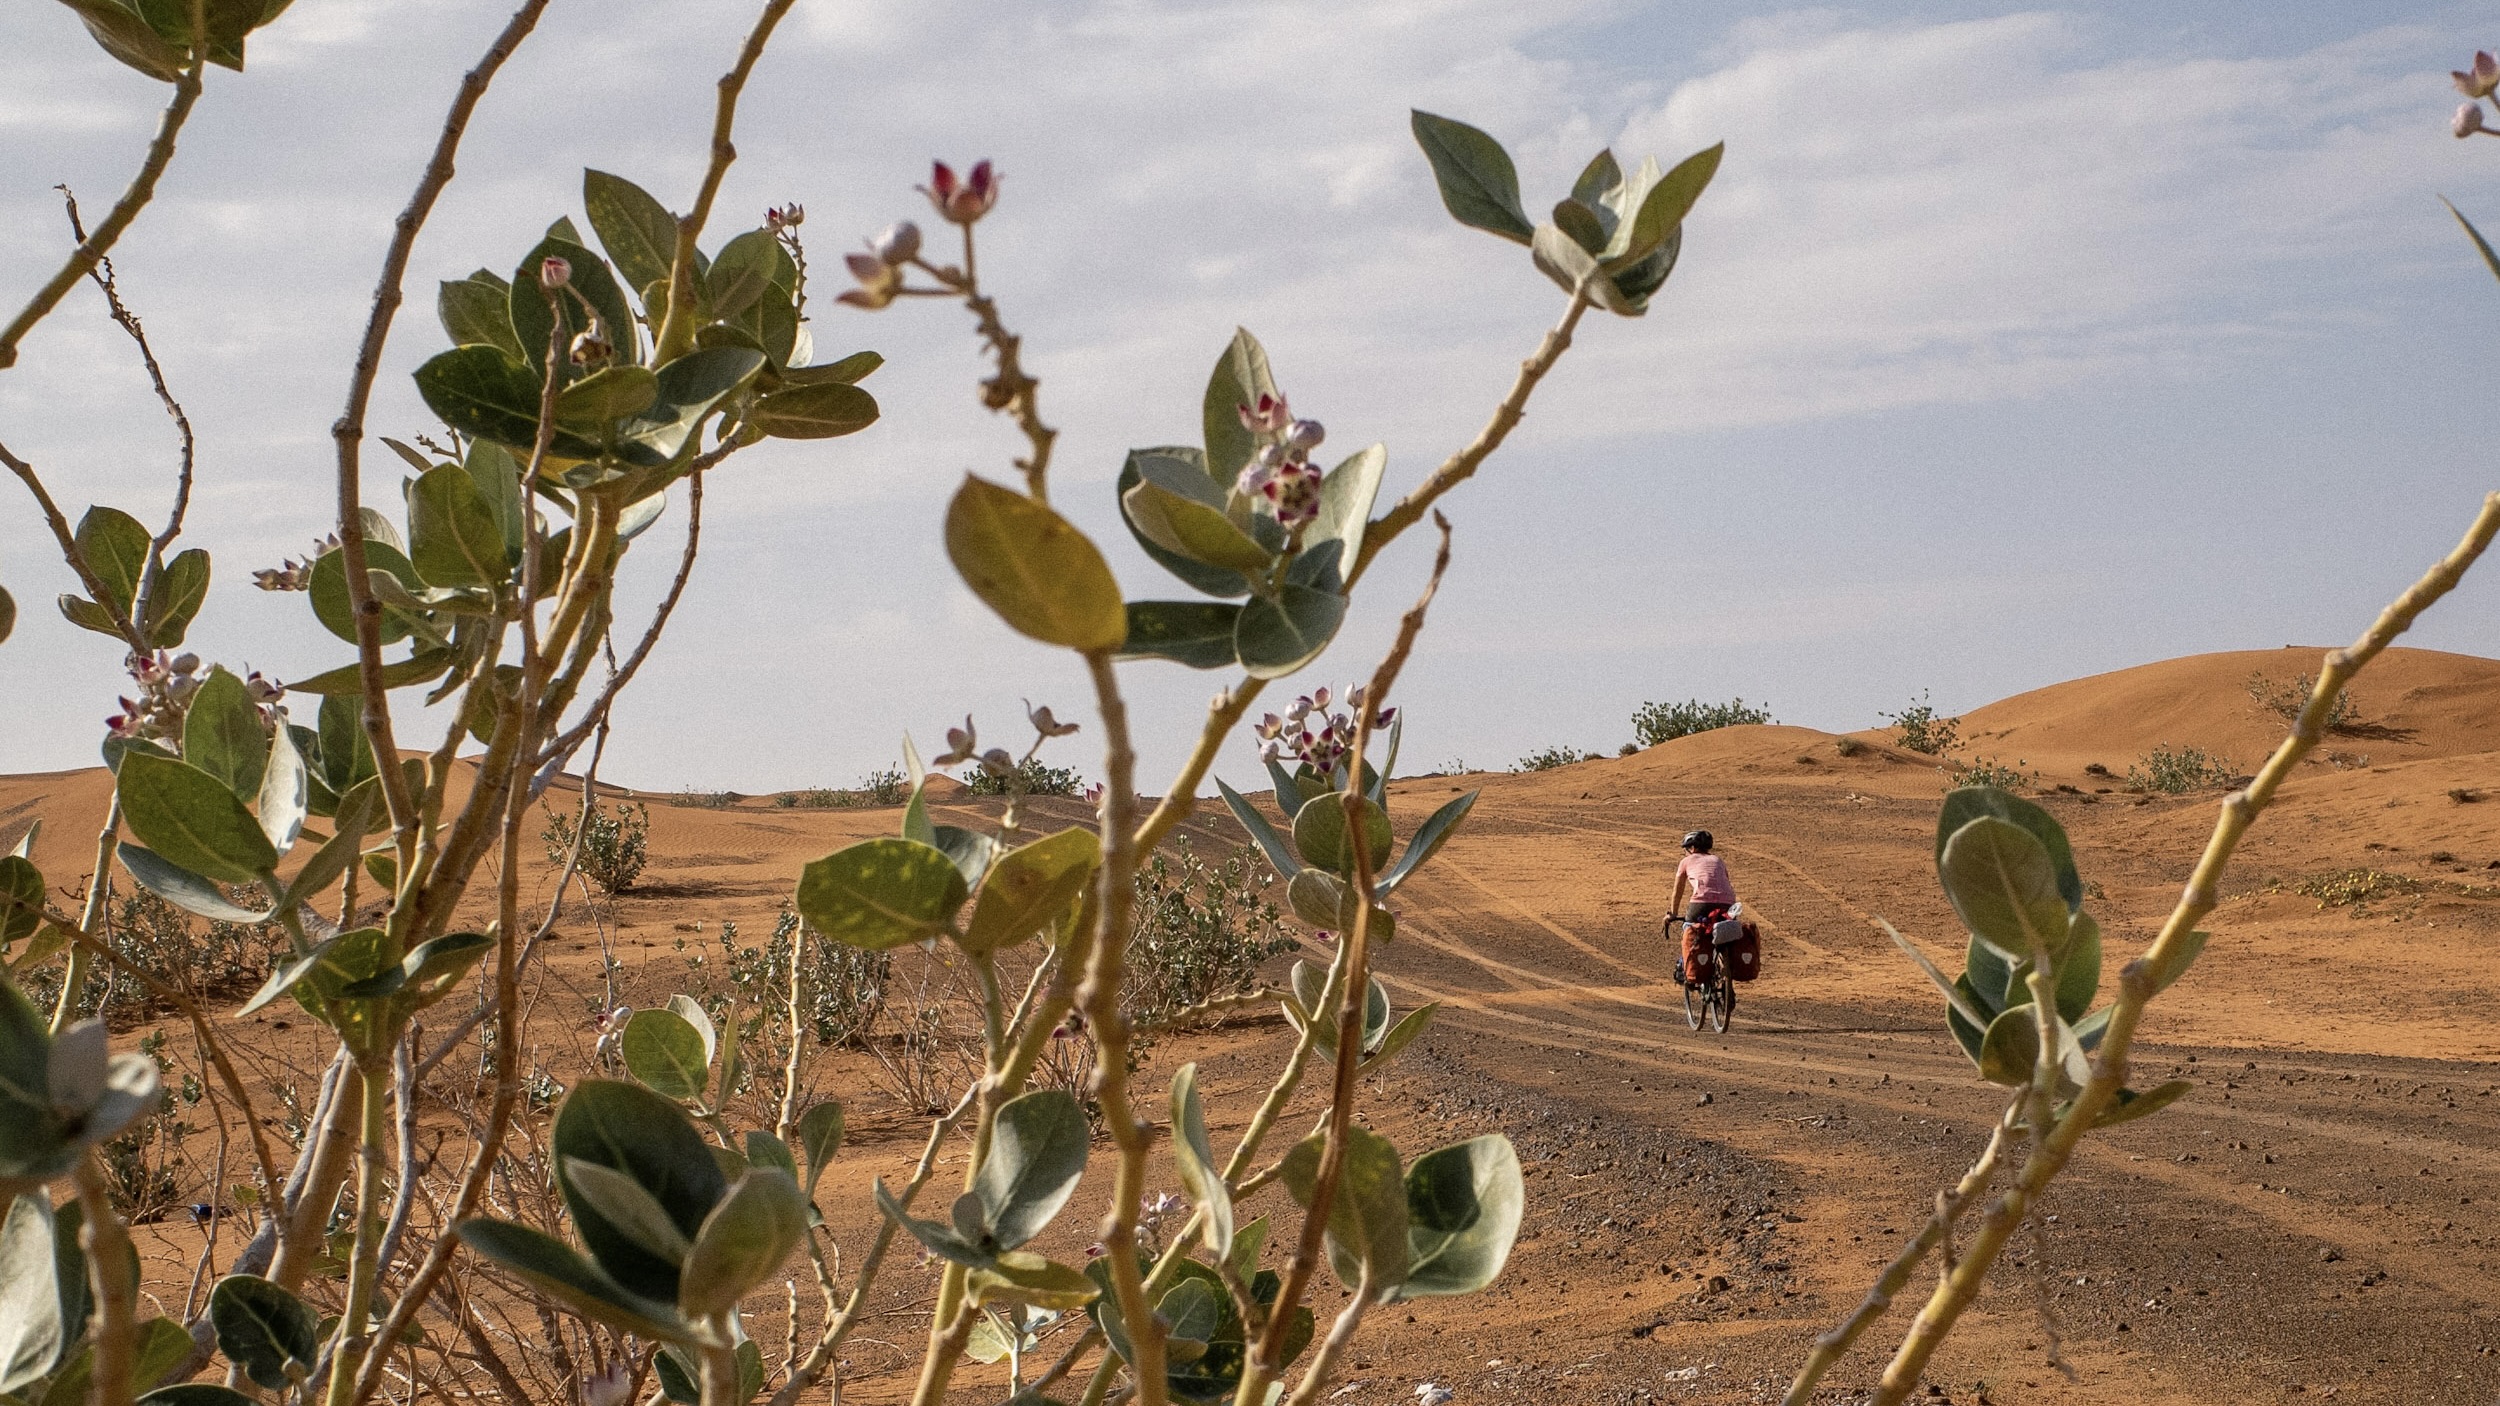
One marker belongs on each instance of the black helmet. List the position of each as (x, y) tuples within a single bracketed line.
[(1699, 839)]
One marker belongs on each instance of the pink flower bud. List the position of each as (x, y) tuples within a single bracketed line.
[(554, 272), (1044, 723), (966, 201), (185, 663), (1304, 435), (2468, 121), (898, 243), (1267, 417), (2481, 79), (997, 763), (781, 217)]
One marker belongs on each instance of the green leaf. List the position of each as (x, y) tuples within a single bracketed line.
[(347, 680), (184, 889), (1478, 182), (8, 614), (1666, 203), (1277, 637), (1965, 804), (21, 903), (1346, 496), (741, 272), (821, 411), (454, 539), (881, 893), (561, 1272), (35, 1325), (744, 1242), (1176, 462), (1400, 1035), (1367, 1218), (192, 820), (285, 791), (1597, 179), (1321, 838), (335, 609), (120, 31), (1463, 1205), (1034, 568), (820, 1136), (629, 1129), (850, 370), (287, 976), (609, 393), (1241, 376), (1194, 1156), (477, 312), (1027, 888), (940, 1240), (1279, 854), (2490, 260), (1428, 839), (593, 284), (1574, 269), (2131, 1105), (666, 1054), (636, 230), (1021, 1276), (1317, 897), (1198, 634), (689, 388), (180, 588), (2079, 969), (496, 474), (485, 392), (1037, 1154), (635, 1213), (2004, 887), (221, 734), (1581, 224), (438, 967), (690, 1010), (765, 1150), (263, 1329), (116, 549), (1198, 531)]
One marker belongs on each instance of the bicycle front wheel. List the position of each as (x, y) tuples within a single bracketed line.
[(1693, 1002), (1722, 1001)]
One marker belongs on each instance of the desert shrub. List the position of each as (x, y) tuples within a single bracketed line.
[(1848, 746), (2356, 888), (615, 845), (146, 1168), (1988, 771), (2175, 771), (844, 987), (2285, 698), (1200, 930), (887, 787), (1548, 758), (1920, 728), (1654, 723), (1031, 777)]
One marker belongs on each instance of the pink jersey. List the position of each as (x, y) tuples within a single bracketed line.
[(1708, 875)]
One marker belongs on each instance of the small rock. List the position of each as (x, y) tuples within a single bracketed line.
[(2329, 1255), (1704, 1101)]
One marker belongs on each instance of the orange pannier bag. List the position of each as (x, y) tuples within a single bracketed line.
[(1744, 955)]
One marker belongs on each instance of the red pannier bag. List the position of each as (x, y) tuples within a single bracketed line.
[(1744, 955), (1698, 954)]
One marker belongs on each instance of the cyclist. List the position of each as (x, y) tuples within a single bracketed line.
[(1704, 876)]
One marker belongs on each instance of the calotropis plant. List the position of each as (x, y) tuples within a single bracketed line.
[(600, 375)]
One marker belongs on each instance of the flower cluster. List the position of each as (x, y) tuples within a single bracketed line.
[(963, 744), (609, 1026), (1312, 734), (1280, 475), (293, 575), (782, 217), (166, 686), (880, 270), (2477, 83)]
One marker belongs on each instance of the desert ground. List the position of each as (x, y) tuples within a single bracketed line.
[(2317, 1221)]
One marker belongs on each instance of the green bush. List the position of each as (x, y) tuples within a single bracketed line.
[(1920, 728), (1030, 778), (1548, 758), (614, 846), (2175, 771), (2285, 699), (1988, 771), (1662, 722), (1200, 931)]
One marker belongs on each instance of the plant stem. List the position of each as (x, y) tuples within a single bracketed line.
[(348, 432), (2169, 955), (677, 323), (135, 197), (363, 1264), (1340, 1333), (107, 1244), (720, 1377), (90, 918)]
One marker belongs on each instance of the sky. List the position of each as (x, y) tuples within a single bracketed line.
[(2009, 346)]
